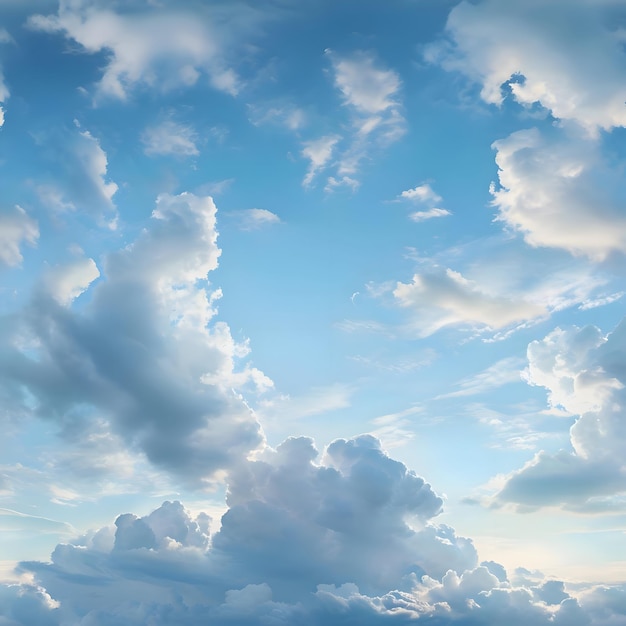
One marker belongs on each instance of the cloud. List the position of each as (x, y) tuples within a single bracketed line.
[(302, 542), (505, 371), (420, 216), (445, 298), (318, 152), (144, 357), (253, 219), (558, 193), (170, 138), (567, 56), (16, 227), (66, 282), (370, 94), (422, 193), (583, 372), (81, 165), (156, 49)]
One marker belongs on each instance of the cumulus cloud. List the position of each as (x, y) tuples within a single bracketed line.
[(81, 165), (16, 227), (170, 138), (158, 49), (304, 542), (566, 55), (144, 356), (583, 372), (445, 298), (558, 192)]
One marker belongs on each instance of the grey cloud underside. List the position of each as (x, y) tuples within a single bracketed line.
[(584, 373), (302, 542), (139, 356)]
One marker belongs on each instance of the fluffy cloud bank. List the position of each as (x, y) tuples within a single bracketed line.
[(585, 374), (346, 540), (144, 360), (566, 55)]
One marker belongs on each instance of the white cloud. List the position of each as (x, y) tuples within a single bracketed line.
[(253, 219), (566, 55), (370, 89), (420, 216), (445, 298), (16, 227), (138, 42), (559, 194), (170, 138), (422, 193), (66, 282), (583, 372), (318, 152)]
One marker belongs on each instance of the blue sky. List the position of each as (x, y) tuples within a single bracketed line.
[(312, 312)]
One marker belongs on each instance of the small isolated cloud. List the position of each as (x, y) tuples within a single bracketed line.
[(318, 152), (558, 193), (254, 219), (422, 193), (445, 298), (16, 228), (286, 115), (420, 216), (170, 138), (583, 372), (567, 56)]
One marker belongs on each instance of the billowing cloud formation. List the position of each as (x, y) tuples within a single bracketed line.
[(16, 227), (300, 543), (559, 194), (568, 55), (441, 299), (163, 49), (144, 359), (584, 373)]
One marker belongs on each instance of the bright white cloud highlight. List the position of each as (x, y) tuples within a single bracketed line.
[(559, 194), (254, 219), (16, 228), (422, 193), (567, 55), (66, 282)]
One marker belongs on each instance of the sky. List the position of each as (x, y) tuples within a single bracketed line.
[(312, 312)]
